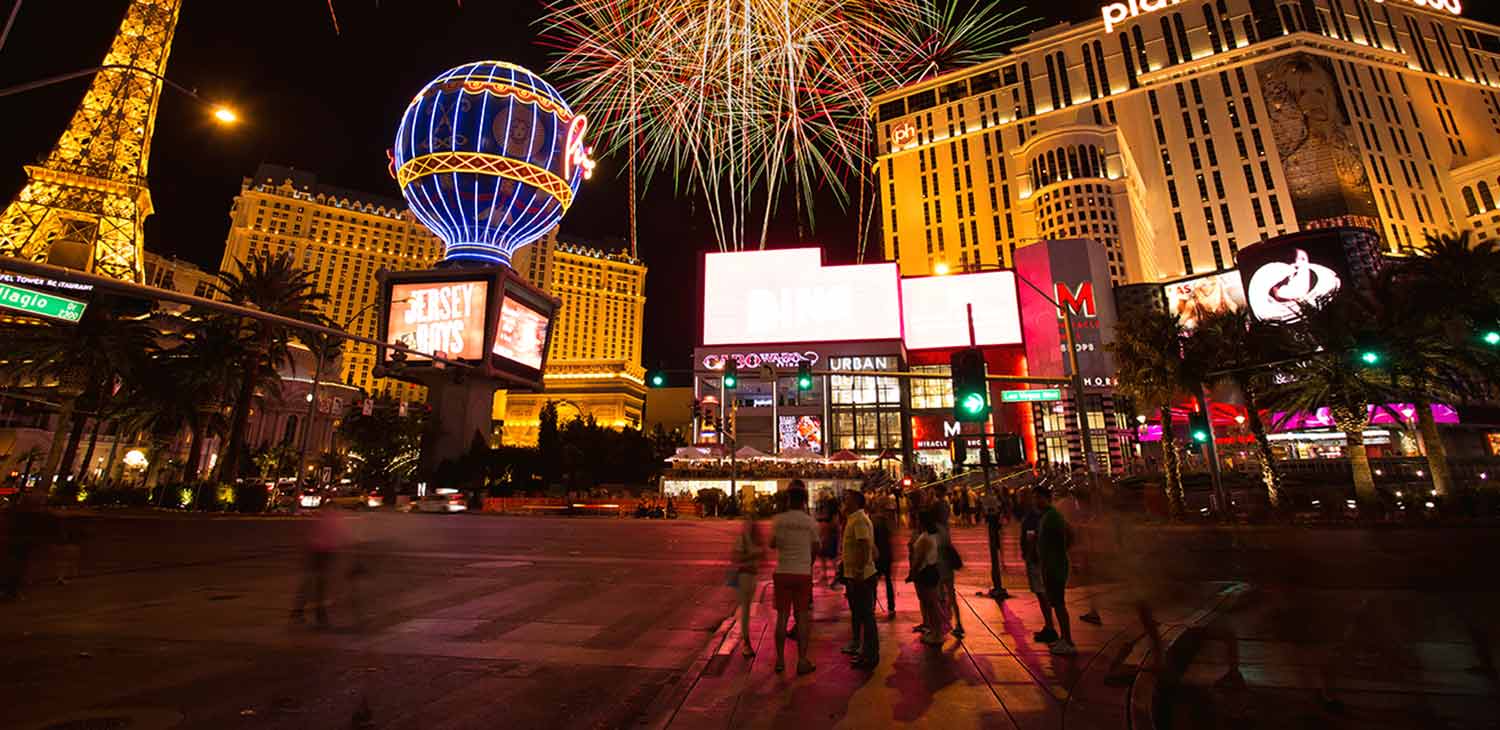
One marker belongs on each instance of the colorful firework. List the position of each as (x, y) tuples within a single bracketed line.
[(741, 101)]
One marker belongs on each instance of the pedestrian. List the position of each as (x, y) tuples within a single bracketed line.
[(884, 556), (1031, 518), (949, 562), (794, 536), (993, 511), (828, 540), (860, 581), (27, 525), (327, 535), (746, 559), (1053, 540), (925, 575)]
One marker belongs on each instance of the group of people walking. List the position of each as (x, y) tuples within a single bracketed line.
[(854, 542)]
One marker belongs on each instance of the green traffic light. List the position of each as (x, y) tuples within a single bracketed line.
[(804, 383), (731, 381), (1200, 436), (1370, 357), (658, 380), (1492, 338), (973, 403)]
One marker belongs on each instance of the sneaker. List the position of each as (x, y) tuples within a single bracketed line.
[(1063, 647), (919, 629), (805, 667), (958, 632), (850, 648), (1045, 636), (890, 616), (1092, 617), (931, 639)]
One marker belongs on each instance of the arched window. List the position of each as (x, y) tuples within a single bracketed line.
[(1470, 203), (1073, 163), (1485, 198), (289, 432)]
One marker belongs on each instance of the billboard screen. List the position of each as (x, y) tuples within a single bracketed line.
[(935, 310), (1286, 273), (1210, 294), (439, 317), (522, 334), (1078, 270), (801, 432), (788, 295)]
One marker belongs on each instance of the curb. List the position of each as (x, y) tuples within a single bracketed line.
[(664, 710), (1149, 691)]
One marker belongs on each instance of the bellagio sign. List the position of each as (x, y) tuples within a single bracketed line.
[(1117, 13)]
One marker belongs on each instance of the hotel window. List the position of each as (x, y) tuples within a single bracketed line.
[(1140, 48), (1166, 34)]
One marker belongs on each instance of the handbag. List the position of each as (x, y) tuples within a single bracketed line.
[(926, 577), (950, 554)]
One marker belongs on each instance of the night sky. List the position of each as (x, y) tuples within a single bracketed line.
[(329, 104)]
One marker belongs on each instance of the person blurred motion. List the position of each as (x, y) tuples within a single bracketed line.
[(884, 556), (748, 549), (1030, 524), (326, 536), (1053, 540), (926, 577), (27, 526), (828, 541), (858, 572), (948, 563), (794, 536)]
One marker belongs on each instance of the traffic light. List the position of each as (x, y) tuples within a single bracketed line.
[(906, 483), (657, 379), (959, 447), (731, 374), (971, 392), (804, 376), (1490, 335), (1198, 429), (1369, 351)]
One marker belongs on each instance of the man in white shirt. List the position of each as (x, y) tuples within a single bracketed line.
[(794, 535), (859, 578)]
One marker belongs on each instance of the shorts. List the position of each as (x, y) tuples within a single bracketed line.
[(791, 590), (1055, 586)]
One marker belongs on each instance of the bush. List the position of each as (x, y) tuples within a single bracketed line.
[(250, 496)]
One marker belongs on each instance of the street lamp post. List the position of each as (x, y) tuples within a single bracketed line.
[(221, 113), (312, 397)]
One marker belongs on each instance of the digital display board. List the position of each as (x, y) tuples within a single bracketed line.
[(522, 334), (439, 317), (801, 432), (789, 296), (935, 310), (1192, 298)]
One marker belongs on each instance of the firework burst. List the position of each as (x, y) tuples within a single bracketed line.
[(742, 101)]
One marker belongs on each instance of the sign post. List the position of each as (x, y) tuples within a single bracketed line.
[(41, 304)]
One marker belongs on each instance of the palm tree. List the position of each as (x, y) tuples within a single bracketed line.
[(1148, 349), (78, 363), (1333, 376), (1241, 347), (273, 284)]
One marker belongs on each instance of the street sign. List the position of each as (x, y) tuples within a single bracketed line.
[(41, 304), (1030, 396)]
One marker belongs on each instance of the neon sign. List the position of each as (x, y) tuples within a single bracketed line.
[(579, 155), (903, 134), (1117, 13), (752, 360)]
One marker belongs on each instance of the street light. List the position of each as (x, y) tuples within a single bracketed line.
[(222, 113), (312, 395)]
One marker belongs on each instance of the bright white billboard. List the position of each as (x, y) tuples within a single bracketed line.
[(936, 310), (788, 295)]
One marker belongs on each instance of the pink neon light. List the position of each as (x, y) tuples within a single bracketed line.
[(789, 296), (935, 310), (578, 155)]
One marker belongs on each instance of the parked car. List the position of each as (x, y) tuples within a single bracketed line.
[(445, 500)]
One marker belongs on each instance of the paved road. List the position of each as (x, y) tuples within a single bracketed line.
[(465, 620), (475, 621)]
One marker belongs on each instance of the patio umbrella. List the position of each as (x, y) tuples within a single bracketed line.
[(750, 452), (796, 454), (845, 455)]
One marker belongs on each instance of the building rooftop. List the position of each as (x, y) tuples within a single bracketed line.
[(268, 174)]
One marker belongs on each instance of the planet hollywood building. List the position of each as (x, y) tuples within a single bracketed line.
[(771, 311), (1178, 133)]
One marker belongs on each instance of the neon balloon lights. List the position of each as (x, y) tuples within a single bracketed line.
[(489, 157)]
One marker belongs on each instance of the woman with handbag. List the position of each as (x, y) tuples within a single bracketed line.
[(748, 549), (926, 575), (948, 562)]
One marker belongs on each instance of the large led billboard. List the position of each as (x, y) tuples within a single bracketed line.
[(439, 317), (789, 296), (801, 432), (1190, 299), (522, 334), (935, 310)]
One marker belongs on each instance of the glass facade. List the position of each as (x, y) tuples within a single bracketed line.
[(866, 412), (931, 392)]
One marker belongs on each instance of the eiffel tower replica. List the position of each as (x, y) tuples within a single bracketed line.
[(83, 206)]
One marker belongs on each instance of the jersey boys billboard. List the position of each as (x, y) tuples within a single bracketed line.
[(788, 296), (443, 318)]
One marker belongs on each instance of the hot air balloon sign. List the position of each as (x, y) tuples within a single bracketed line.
[(489, 157)]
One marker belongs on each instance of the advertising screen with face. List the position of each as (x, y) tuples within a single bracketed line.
[(801, 432), (936, 310), (522, 334), (1211, 294), (789, 296), (435, 317), (1283, 275)]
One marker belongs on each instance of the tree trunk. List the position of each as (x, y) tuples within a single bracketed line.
[(1432, 445), (1171, 467), (229, 466), (70, 453), (1268, 473), (195, 445), (1359, 462), (55, 451), (88, 453)]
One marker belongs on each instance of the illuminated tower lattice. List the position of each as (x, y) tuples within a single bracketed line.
[(84, 205)]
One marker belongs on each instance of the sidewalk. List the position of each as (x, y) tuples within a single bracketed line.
[(996, 677)]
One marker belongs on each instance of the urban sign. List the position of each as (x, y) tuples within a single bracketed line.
[(1117, 13), (1030, 396), (41, 304)]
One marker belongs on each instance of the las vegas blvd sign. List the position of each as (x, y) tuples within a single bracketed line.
[(1030, 396), (1117, 13)]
